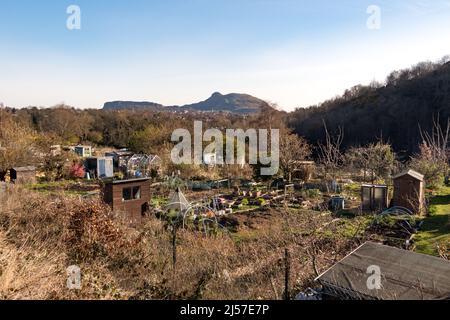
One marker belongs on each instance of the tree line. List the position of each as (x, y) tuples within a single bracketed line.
[(395, 111)]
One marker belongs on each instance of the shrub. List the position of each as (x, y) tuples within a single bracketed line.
[(434, 172), (312, 194), (77, 171), (262, 202), (40, 236)]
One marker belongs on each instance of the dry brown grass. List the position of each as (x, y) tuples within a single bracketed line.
[(40, 236)]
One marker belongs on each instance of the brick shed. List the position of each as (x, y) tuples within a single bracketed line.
[(409, 191), (130, 197), (23, 174)]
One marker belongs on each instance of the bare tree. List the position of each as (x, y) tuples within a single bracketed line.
[(437, 140), (378, 159), (330, 154), (16, 143), (432, 161), (293, 150), (356, 159)]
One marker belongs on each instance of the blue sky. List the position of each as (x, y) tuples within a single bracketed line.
[(291, 52)]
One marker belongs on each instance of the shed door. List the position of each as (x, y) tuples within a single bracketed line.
[(379, 196), (366, 195), (101, 168), (105, 168)]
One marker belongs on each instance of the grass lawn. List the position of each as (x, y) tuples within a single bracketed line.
[(68, 187), (436, 228)]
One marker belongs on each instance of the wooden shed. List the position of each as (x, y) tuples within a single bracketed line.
[(83, 151), (100, 167), (130, 197), (23, 174), (303, 170), (374, 197), (120, 158), (409, 191), (3, 175)]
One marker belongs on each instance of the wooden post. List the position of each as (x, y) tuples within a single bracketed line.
[(174, 247), (174, 260), (287, 272)]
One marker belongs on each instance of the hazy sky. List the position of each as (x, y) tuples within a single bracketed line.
[(292, 52)]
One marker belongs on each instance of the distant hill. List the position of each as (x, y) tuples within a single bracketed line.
[(117, 105), (393, 111), (232, 103)]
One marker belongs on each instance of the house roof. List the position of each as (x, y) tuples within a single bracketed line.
[(411, 173), (405, 275), (367, 185), (102, 158), (120, 153), (130, 181), (24, 169)]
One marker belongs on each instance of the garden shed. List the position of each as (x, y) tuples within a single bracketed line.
[(23, 174), (105, 167), (100, 167), (130, 197), (409, 191), (3, 175), (120, 158), (83, 151), (304, 170), (374, 197)]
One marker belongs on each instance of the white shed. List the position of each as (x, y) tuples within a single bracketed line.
[(105, 167)]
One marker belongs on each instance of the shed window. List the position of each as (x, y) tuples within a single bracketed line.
[(127, 194), (131, 193), (136, 193)]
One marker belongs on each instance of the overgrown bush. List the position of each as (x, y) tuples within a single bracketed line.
[(312, 194), (41, 236), (434, 170), (262, 202)]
